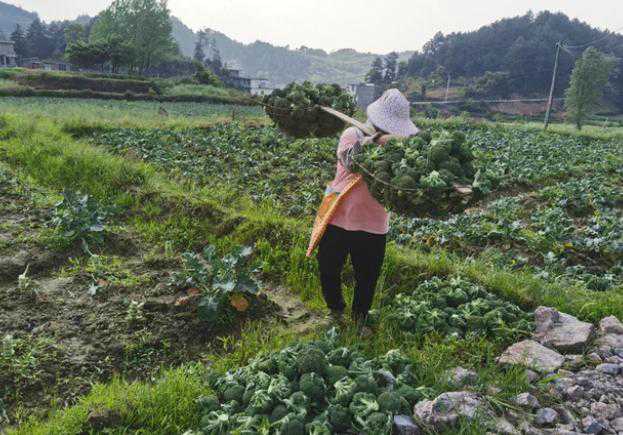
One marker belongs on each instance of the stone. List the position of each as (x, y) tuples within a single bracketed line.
[(617, 424), (532, 355), (591, 425), (609, 369), (404, 425), (531, 376), (609, 342), (546, 417), (574, 392), (605, 411), (459, 377), (573, 361), (610, 325), (561, 331), (447, 408), (503, 427), (594, 358), (526, 400)]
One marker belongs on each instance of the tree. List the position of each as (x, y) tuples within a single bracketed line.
[(137, 31), (200, 54), (391, 68), (38, 40), (87, 55), (376, 74), (588, 80), (19, 41), (403, 70)]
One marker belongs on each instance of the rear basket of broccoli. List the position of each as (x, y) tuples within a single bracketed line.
[(295, 109)]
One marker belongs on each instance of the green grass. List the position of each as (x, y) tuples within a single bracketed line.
[(106, 113), (204, 90)]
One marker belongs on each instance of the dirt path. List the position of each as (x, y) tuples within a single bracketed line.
[(294, 312)]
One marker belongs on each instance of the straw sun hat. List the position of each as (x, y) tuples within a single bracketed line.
[(392, 114)]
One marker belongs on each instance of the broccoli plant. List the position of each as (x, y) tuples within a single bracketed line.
[(228, 284), (79, 217)]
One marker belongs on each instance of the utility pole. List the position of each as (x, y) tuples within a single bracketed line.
[(550, 101), (448, 87)]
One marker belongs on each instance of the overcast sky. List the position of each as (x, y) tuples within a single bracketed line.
[(378, 26)]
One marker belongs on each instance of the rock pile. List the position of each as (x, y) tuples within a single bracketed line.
[(582, 369)]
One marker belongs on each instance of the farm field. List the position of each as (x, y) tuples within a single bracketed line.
[(157, 252)]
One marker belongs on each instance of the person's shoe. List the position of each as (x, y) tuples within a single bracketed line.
[(336, 318)]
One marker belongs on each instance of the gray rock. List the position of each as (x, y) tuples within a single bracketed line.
[(459, 377), (573, 361), (610, 369), (591, 425), (526, 400), (504, 427), (546, 417), (610, 325), (605, 411), (532, 355), (609, 342), (404, 425), (561, 331), (447, 408), (574, 392), (531, 376), (617, 424), (595, 358)]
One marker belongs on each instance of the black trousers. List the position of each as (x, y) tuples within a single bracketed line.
[(366, 251)]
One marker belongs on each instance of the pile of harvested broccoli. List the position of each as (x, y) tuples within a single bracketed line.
[(295, 109), (318, 388), (417, 176)]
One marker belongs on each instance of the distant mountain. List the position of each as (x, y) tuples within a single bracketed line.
[(11, 15), (282, 65)]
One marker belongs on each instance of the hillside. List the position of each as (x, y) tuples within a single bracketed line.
[(523, 46), (11, 15), (282, 64)]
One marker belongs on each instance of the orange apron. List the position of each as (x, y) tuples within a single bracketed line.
[(326, 211)]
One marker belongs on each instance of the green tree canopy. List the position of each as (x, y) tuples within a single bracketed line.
[(588, 80), (137, 32)]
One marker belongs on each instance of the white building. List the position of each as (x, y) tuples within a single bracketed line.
[(260, 87), (364, 93), (8, 58)]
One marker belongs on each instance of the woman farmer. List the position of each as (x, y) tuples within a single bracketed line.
[(359, 226)]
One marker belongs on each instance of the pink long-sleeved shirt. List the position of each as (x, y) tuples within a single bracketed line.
[(358, 211)]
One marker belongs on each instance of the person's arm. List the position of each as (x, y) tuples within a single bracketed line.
[(347, 155)]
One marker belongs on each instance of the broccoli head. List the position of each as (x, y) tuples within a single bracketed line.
[(313, 386), (216, 422), (208, 403), (233, 392), (391, 403), (366, 384), (339, 417), (279, 412), (363, 404), (345, 389), (261, 402), (279, 387), (335, 373), (340, 356), (377, 423), (292, 425), (297, 403), (312, 361), (412, 394)]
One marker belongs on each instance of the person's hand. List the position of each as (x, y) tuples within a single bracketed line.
[(382, 140), (370, 139)]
